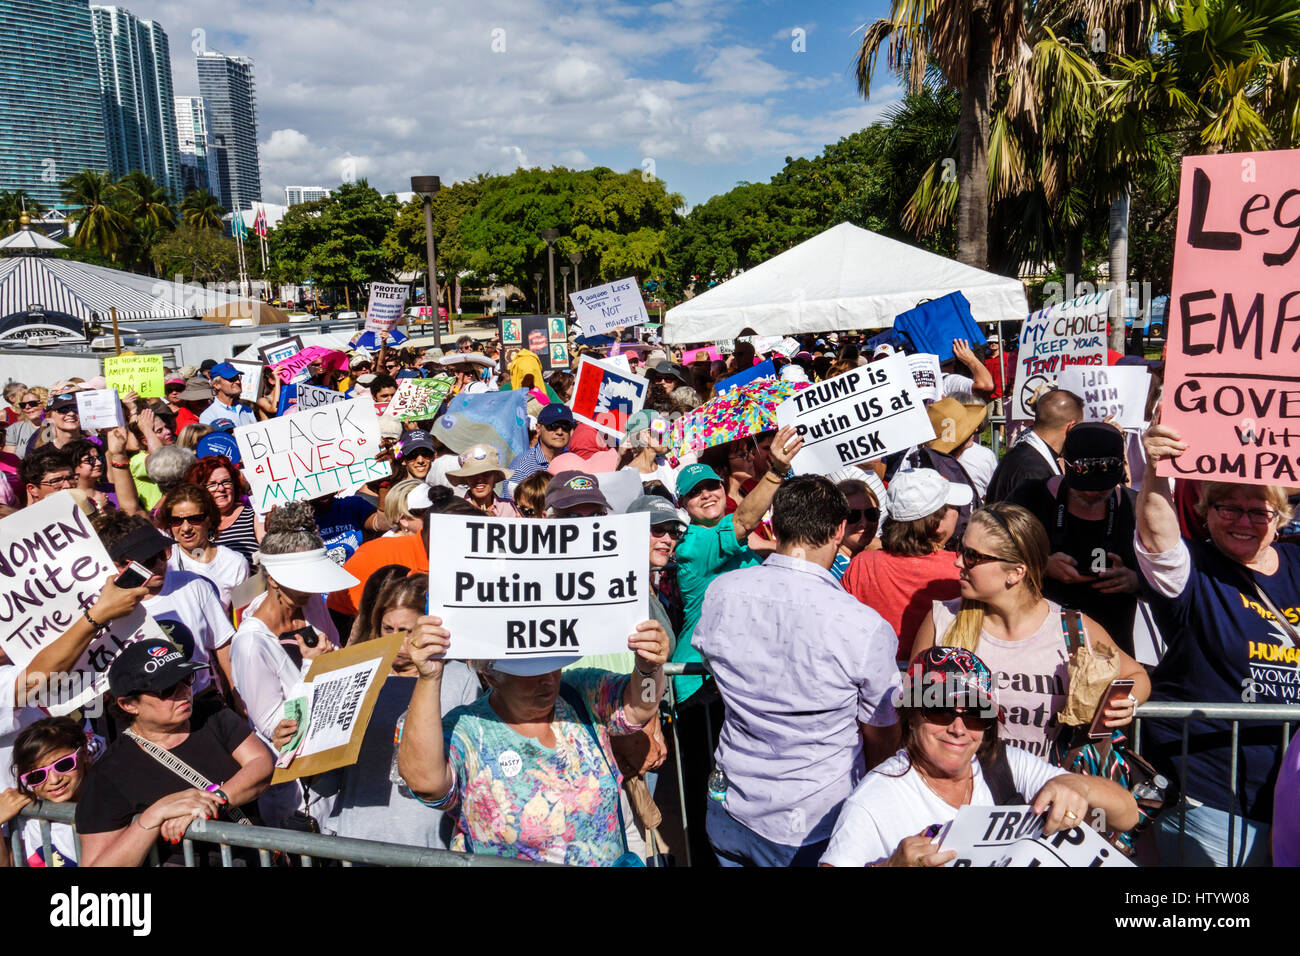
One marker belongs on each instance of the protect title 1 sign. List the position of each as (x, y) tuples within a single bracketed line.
[(384, 310), (861, 415), (614, 305), (509, 588), (1232, 379), (311, 453), (1055, 338)]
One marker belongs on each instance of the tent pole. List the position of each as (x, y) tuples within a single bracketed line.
[(117, 336)]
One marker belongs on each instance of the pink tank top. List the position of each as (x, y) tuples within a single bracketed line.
[(1030, 676)]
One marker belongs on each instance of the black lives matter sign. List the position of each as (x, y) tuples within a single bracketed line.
[(531, 588)]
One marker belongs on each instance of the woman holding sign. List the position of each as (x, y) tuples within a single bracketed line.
[(530, 764)]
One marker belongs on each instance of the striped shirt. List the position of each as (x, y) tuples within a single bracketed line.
[(240, 536)]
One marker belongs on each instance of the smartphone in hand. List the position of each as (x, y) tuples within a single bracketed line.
[(1118, 690), (133, 577)]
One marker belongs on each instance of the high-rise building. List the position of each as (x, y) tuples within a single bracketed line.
[(226, 84), (135, 80), (198, 165), (51, 118), (293, 195)]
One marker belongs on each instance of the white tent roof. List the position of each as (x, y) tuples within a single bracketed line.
[(844, 278), (28, 239)]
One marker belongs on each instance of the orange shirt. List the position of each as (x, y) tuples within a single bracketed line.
[(408, 550)]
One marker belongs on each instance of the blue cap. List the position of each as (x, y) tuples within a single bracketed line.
[(409, 373), (225, 370), (223, 424), (692, 475), (218, 443), (555, 412)]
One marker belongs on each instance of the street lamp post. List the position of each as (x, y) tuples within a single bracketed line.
[(575, 258), (564, 274), (537, 284), (425, 187), (550, 235)]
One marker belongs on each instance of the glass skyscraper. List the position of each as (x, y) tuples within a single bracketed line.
[(226, 84), (51, 115), (135, 79), (198, 165)]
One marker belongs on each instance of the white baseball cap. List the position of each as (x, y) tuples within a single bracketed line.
[(923, 491)]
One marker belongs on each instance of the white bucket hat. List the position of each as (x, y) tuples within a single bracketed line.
[(311, 572)]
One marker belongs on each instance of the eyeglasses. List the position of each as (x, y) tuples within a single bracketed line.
[(944, 716), (169, 692), (671, 531), (858, 514), (970, 557), (177, 520), (89, 459), (1260, 517), (34, 778), (218, 485), (1095, 466), (63, 481)]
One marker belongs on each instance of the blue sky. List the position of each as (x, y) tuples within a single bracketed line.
[(703, 93)]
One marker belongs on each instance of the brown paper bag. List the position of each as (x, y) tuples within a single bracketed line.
[(1091, 670)]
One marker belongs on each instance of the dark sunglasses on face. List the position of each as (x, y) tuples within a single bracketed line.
[(706, 486), (177, 520), (29, 404), (169, 692), (672, 531), (1095, 466), (944, 716), (526, 512), (34, 778), (970, 557), (857, 514), (560, 426)]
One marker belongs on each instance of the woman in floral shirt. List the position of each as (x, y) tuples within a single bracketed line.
[(521, 764)]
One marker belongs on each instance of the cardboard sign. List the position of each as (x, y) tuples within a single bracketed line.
[(311, 453), (279, 350), (52, 567), (142, 374), (861, 415), (384, 311), (1013, 836), (1111, 390), (313, 396), (1069, 333), (522, 588), (297, 367), (605, 395), (546, 336), (251, 383), (99, 408), (927, 376), (1232, 380), (761, 370), (418, 399), (337, 698), (607, 307)]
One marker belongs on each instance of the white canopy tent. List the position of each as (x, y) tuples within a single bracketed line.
[(844, 278)]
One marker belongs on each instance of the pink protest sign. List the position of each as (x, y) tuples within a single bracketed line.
[(1232, 380), (294, 366), (694, 355)]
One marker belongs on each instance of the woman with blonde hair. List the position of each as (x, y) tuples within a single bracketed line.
[(190, 435), (1003, 617), (396, 511)]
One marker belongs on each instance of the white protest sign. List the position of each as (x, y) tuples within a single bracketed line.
[(333, 702), (311, 453), (927, 376), (99, 408), (1013, 836), (789, 347), (509, 588), (1111, 390), (1055, 338), (384, 311), (607, 307), (251, 382), (52, 567), (863, 414), (313, 396)]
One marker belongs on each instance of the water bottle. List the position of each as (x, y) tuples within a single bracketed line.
[(717, 784), (1153, 791)]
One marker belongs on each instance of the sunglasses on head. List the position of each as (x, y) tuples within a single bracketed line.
[(34, 778), (944, 716)]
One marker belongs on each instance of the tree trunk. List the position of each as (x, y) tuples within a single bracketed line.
[(973, 149), (1119, 209)]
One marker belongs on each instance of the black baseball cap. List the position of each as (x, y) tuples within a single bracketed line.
[(148, 666), (140, 544)]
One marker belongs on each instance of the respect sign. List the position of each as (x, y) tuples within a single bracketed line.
[(1232, 381), (863, 414), (384, 310), (614, 305), (509, 588), (52, 567), (1013, 836), (418, 399), (1110, 391), (311, 453), (313, 396), (142, 374), (1055, 338)]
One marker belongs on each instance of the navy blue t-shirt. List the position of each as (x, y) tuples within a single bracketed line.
[(342, 523), (1224, 646)]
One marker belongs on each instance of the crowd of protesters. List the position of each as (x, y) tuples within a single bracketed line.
[(824, 608)]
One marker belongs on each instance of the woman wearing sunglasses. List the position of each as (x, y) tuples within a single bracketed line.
[(50, 761), (953, 757), (188, 513), (860, 530), (1004, 618)]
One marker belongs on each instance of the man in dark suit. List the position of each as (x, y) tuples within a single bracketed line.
[(1035, 455)]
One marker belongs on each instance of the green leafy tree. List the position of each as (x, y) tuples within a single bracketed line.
[(197, 254), (13, 203), (202, 210), (146, 207), (99, 223)]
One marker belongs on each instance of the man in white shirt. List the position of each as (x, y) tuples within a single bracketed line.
[(227, 383)]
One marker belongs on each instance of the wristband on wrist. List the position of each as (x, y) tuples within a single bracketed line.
[(93, 623), (119, 464)]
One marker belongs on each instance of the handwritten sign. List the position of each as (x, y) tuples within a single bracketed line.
[(418, 399), (312, 453), (1013, 836), (297, 367), (251, 382), (313, 396), (1118, 391), (142, 374), (99, 408), (1069, 333), (614, 305), (709, 354), (1232, 380), (927, 376), (52, 567), (605, 396), (384, 311), (860, 415), (509, 588)]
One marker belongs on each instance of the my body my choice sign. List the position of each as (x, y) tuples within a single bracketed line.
[(526, 588)]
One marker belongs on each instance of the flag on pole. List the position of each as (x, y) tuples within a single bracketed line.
[(237, 227), (259, 224)]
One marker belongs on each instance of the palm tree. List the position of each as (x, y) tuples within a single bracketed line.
[(202, 210), (145, 204), (12, 206), (99, 224)]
